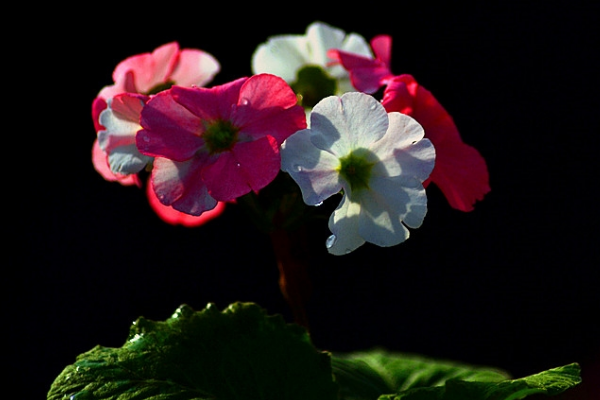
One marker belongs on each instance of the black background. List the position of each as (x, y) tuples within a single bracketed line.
[(512, 284)]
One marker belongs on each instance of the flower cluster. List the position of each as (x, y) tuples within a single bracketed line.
[(308, 113)]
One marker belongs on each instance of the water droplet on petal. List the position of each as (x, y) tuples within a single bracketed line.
[(238, 164), (330, 241), (319, 204), (298, 168), (244, 101)]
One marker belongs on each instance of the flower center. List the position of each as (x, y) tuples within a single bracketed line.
[(220, 136), (356, 169), (160, 87), (313, 85)]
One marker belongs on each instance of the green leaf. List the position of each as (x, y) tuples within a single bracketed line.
[(368, 375), (551, 382), (239, 353)]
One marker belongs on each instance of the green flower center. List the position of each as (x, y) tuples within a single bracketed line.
[(313, 85), (160, 87), (356, 169), (220, 136)]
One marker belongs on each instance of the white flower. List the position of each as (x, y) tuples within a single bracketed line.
[(286, 55), (377, 160)]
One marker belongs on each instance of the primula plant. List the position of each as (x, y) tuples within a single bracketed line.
[(320, 118)]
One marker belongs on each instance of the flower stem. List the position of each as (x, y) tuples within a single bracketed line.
[(290, 247)]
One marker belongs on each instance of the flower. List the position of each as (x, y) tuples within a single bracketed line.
[(460, 171), (116, 112), (167, 65), (217, 144), (146, 74), (378, 160), (302, 60)]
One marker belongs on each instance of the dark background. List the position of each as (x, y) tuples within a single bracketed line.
[(513, 284)]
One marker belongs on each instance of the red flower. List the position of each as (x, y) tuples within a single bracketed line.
[(460, 171)]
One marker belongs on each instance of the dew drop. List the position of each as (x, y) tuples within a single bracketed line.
[(244, 101), (298, 168), (319, 204), (135, 338), (330, 241), (238, 164)]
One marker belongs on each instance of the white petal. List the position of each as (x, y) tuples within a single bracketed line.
[(118, 141), (321, 38), (342, 124), (127, 160), (343, 224), (313, 170), (282, 56), (403, 150)]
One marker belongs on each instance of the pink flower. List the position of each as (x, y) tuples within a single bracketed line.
[(167, 65), (138, 77), (460, 171), (367, 74), (217, 144), (147, 74)]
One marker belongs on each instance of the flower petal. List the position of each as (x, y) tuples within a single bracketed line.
[(100, 162), (121, 122), (349, 122), (460, 171), (174, 217), (461, 174), (314, 170), (343, 224), (249, 166), (267, 106), (179, 185), (169, 130), (280, 55), (402, 150), (195, 68), (209, 104)]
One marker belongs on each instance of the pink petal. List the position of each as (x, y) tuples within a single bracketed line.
[(98, 105), (209, 103), (366, 74), (174, 217), (179, 184), (268, 107), (249, 166), (195, 67), (148, 69), (128, 106), (169, 130), (382, 48)]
